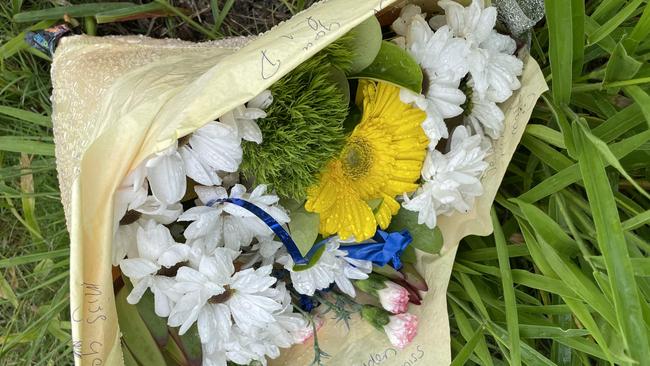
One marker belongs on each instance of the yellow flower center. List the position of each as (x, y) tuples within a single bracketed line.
[(356, 157)]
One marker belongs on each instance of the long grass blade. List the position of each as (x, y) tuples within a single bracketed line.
[(613, 247)]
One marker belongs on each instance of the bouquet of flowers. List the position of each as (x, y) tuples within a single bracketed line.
[(317, 206)]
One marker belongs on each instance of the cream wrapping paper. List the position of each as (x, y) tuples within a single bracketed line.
[(117, 100)]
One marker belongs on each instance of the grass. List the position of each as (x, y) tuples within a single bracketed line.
[(564, 280)]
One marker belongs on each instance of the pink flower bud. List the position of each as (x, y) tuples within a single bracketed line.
[(394, 298), (401, 329), (307, 333)]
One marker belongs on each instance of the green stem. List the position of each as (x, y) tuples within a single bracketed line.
[(91, 26), (187, 19)]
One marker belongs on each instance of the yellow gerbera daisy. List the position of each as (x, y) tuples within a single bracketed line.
[(381, 159)]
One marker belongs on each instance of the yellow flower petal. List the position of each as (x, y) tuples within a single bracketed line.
[(381, 159)]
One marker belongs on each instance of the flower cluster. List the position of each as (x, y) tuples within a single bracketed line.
[(468, 68), (255, 267)]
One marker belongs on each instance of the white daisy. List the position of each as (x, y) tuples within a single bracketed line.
[(166, 175), (162, 213), (124, 242), (493, 67), (402, 24), (248, 348), (264, 252), (213, 147), (500, 76), (474, 22), (124, 239), (289, 327), (217, 145), (157, 251), (227, 224), (197, 288), (443, 61), (130, 194), (451, 180), (215, 293), (243, 117), (333, 266), (483, 115)]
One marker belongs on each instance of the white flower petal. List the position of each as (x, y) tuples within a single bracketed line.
[(197, 169), (137, 268), (166, 174), (138, 291)]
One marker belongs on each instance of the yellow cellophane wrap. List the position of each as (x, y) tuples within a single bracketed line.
[(117, 100)]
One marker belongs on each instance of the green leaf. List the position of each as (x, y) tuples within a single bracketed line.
[(616, 125), (395, 66), (25, 145), (469, 347), (621, 66), (409, 255), (7, 293), (27, 116), (560, 34), (512, 318), (578, 23), (129, 360), (563, 123), (572, 175), (640, 31), (123, 14), (490, 254), (424, 239), (135, 333), (547, 229), (641, 98), (531, 331), (190, 343), (35, 257), (546, 153), (219, 15), (466, 331), (637, 221), (365, 43), (546, 134), (156, 325), (611, 241), (341, 81), (75, 11), (312, 261), (303, 228), (609, 157), (641, 266), (614, 22)]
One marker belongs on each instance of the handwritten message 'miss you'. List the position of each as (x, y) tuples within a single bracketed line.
[(89, 349), (390, 355)]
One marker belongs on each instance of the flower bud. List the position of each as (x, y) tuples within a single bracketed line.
[(401, 329), (394, 298), (377, 317)]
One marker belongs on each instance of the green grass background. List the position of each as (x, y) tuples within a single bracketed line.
[(564, 280)]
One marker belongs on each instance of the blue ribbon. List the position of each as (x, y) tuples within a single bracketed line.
[(388, 247), (385, 247), (275, 226)]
